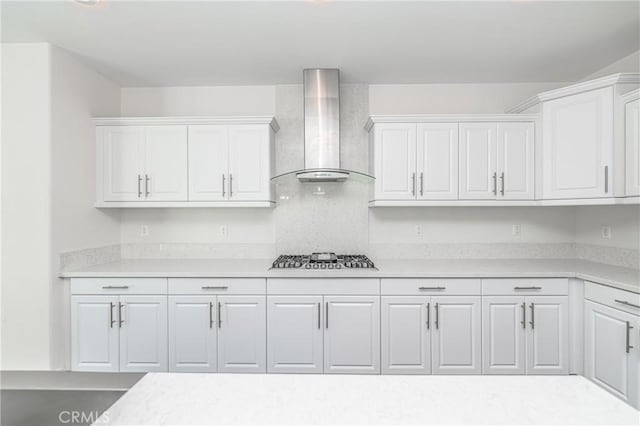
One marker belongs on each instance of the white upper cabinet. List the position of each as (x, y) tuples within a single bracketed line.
[(632, 142), (121, 149), (515, 166), (249, 163), (183, 162), (395, 161), (208, 162), (437, 161), (165, 158), (577, 145), (478, 174), (294, 335)]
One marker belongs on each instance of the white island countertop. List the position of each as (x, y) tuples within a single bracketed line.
[(284, 399), (623, 278)]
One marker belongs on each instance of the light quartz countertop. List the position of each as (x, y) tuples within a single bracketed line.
[(286, 399), (623, 278)]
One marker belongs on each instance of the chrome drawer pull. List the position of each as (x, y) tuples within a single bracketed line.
[(319, 325), (219, 315), (214, 287), (120, 316), (431, 288), (533, 319), (114, 287), (624, 302), (528, 288), (437, 316), (428, 316), (628, 346), (524, 315), (111, 320), (210, 314)]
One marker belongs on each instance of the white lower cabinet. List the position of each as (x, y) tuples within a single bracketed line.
[(242, 334), (525, 334), (143, 333), (193, 333), (455, 338), (352, 334), (94, 333), (294, 334), (406, 335), (612, 351)]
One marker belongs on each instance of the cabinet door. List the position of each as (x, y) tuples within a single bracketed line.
[(632, 142), (208, 163), (395, 161), (192, 333), (242, 334), (437, 167), (143, 333), (548, 336), (515, 161), (609, 359), (249, 163), (94, 333), (294, 334), (577, 145), (406, 335), (352, 334), (478, 176), (503, 335), (122, 162), (455, 340), (166, 163)]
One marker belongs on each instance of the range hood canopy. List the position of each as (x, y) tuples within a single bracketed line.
[(322, 130)]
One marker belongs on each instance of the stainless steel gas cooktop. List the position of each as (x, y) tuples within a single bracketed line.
[(322, 261)]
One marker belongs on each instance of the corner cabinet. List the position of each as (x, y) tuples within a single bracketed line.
[(443, 160), (185, 162), (632, 142)]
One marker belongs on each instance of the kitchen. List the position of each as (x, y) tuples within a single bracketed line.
[(436, 220)]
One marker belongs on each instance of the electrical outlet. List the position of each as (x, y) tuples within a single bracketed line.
[(144, 230), (418, 230), (224, 230), (516, 229), (606, 232)]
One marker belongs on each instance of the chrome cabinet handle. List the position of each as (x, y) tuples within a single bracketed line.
[(230, 185), (223, 191), (606, 179), (319, 316), (624, 302), (326, 315), (437, 316), (139, 186), (502, 184), (147, 179), (214, 287), (111, 320), (628, 346), (533, 320), (524, 315), (219, 315), (421, 183), (495, 183), (114, 287), (413, 184), (527, 288), (120, 316), (428, 315), (431, 288), (210, 314)]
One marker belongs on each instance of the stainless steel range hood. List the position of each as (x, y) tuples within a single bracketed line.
[(322, 130)]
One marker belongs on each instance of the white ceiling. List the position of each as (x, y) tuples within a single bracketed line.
[(161, 43)]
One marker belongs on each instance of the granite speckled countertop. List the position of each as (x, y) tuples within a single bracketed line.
[(623, 278)]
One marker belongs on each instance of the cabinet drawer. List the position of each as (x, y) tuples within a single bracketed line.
[(619, 299), (429, 286), (526, 286), (321, 286), (118, 286), (217, 286)]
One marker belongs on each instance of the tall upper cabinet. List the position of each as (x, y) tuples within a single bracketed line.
[(631, 103), (581, 154), (185, 162)]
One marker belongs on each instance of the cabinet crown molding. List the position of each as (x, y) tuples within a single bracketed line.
[(583, 86), (149, 121), (448, 118)]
